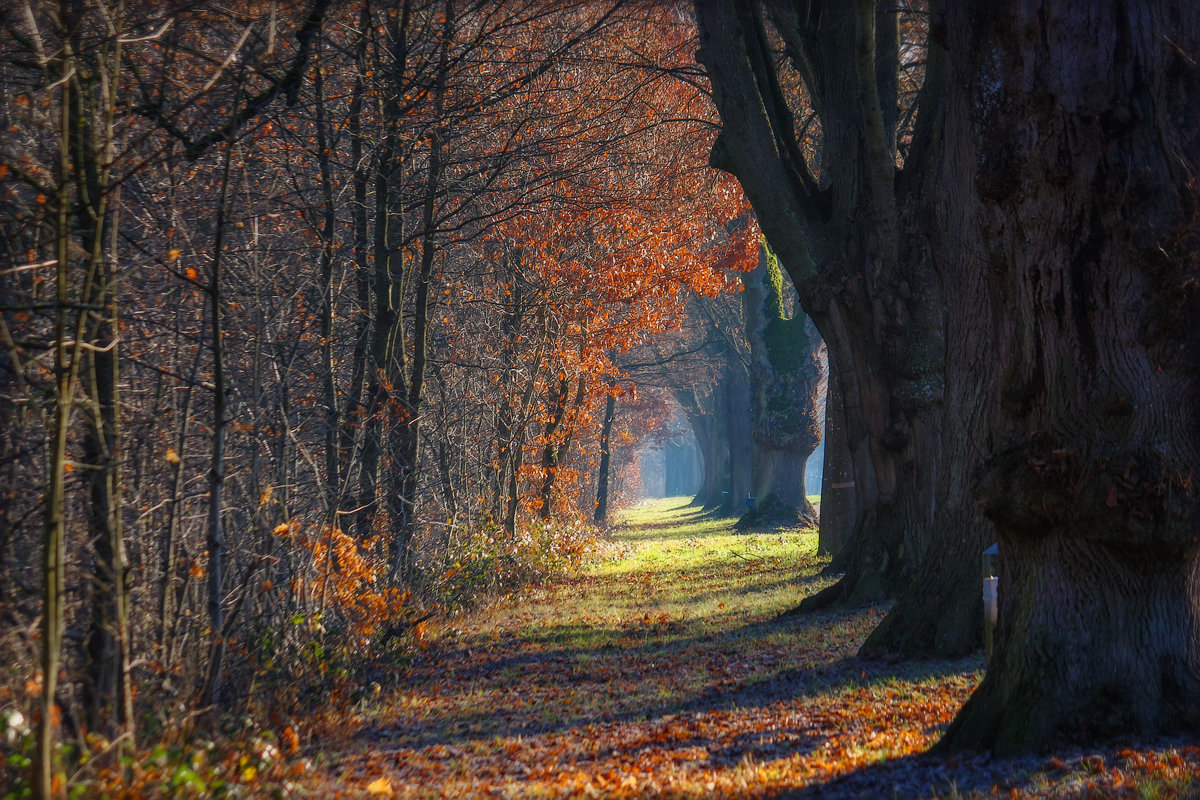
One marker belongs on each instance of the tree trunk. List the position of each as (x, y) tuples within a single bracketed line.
[(107, 696), (386, 386), (407, 462), (211, 691), (785, 375), (108, 700), (892, 451), (550, 450), (357, 421), (600, 517), (709, 430), (560, 452), (47, 782), (734, 393), (841, 246), (332, 460), (680, 469), (860, 249), (838, 493), (1088, 208)]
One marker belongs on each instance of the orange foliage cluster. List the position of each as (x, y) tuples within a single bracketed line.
[(344, 574)]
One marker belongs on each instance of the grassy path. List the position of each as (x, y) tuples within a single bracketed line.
[(660, 670), (663, 670)]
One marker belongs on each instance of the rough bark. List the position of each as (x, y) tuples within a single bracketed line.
[(841, 247), (918, 623), (838, 494), (785, 375), (858, 246), (1089, 210)]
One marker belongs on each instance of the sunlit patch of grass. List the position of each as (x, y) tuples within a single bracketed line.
[(696, 567)]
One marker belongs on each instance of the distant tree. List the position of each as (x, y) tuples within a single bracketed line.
[(785, 378)]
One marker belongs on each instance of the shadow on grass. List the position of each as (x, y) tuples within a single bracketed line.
[(682, 530), (619, 678), (918, 776)]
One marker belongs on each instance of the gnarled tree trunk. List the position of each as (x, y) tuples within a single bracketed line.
[(857, 244), (1086, 131), (785, 375), (840, 245)]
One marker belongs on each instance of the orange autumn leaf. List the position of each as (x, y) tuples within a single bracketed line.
[(380, 786)]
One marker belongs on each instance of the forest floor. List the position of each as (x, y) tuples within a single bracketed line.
[(662, 669)]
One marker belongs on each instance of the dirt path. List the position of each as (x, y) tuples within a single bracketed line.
[(661, 671)]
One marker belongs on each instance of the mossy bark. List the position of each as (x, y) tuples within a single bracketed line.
[(785, 376)]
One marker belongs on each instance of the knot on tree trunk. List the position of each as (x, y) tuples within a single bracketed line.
[(1136, 499)]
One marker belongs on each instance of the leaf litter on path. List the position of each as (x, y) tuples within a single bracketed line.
[(666, 672)]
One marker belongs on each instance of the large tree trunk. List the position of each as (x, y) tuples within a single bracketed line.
[(1087, 139), (918, 624), (785, 375), (858, 246), (841, 246)]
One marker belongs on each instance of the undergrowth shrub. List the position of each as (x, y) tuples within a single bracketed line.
[(323, 631), (488, 563)]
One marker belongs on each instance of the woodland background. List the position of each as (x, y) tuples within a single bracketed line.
[(324, 320)]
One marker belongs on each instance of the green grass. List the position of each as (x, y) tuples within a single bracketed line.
[(699, 573), (682, 591)]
